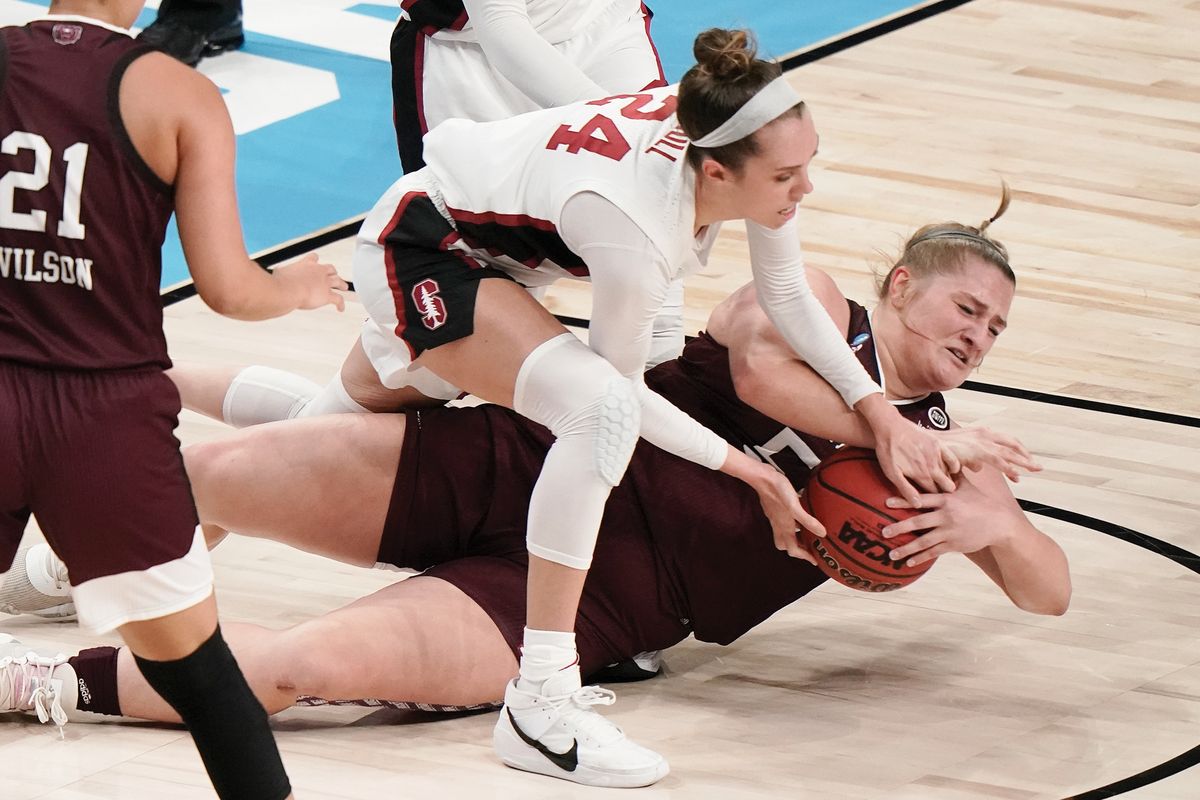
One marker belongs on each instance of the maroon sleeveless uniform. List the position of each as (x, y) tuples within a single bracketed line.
[(81, 289), (682, 549), (86, 414)]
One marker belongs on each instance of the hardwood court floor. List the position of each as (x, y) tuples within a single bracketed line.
[(943, 691)]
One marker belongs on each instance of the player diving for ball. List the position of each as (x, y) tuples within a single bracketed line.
[(683, 550)]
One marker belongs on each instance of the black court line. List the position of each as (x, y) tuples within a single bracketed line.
[(867, 34), (278, 255), (1184, 558), (1189, 560)]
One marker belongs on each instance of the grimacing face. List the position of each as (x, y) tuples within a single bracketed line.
[(772, 182), (951, 322)]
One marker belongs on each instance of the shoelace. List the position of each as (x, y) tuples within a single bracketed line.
[(33, 674), (596, 725)]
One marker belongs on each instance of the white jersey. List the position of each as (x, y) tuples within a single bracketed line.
[(504, 184)]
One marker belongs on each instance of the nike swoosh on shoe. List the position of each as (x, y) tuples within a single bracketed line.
[(567, 761)]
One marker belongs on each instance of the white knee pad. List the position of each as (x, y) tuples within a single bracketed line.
[(575, 393), (594, 413), (265, 394)]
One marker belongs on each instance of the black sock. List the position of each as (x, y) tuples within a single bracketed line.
[(227, 723)]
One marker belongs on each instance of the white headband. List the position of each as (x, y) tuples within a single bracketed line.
[(766, 106)]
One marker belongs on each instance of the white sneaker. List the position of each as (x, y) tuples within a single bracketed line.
[(557, 733), (28, 682), (37, 584)]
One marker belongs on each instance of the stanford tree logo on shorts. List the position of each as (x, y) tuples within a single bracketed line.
[(433, 310)]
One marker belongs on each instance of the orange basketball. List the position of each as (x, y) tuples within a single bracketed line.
[(848, 493)]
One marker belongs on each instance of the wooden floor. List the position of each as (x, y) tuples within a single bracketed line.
[(1090, 109)]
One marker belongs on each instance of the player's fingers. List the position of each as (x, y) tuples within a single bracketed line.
[(804, 555), (943, 481), (809, 522), (916, 546), (923, 501), (928, 555), (338, 301), (920, 522), (898, 479), (951, 462)]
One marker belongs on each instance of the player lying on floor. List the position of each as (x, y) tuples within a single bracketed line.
[(683, 550)]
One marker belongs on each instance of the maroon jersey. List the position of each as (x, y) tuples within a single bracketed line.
[(681, 548), (82, 217), (714, 543)]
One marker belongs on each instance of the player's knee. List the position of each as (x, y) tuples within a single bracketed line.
[(581, 397), (208, 464), (265, 394)]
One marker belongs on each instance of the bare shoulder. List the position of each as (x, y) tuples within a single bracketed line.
[(830, 296), (162, 83)]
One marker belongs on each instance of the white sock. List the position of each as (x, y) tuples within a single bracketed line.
[(543, 654), (333, 399)]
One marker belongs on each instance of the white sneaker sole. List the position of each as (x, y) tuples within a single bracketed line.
[(518, 755)]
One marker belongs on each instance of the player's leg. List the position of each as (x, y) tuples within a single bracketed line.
[(321, 484), (245, 396), (420, 640), (112, 498), (520, 356)]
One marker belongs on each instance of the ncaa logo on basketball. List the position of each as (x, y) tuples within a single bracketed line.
[(67, 34), (938, 419), (429, 305)]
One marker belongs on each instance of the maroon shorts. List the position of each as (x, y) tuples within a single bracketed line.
[(458, 511), (93, 455)]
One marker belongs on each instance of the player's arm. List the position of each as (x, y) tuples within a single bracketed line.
[(629, 280), (770, 377), (983, 520), (524, 58), (905, 452), (161, 97)]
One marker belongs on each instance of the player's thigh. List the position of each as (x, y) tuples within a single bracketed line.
[(321, 484), (421, 640)]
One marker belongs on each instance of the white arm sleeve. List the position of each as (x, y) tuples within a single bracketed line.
[(528, 61), (783, 292), (630, 278)]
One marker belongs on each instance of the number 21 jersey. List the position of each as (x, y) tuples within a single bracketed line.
[(82, 217)]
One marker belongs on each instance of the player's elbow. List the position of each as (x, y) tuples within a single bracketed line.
[(1053, 603)]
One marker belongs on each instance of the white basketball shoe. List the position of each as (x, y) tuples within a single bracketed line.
[(37, 584), (556, 732), (32, 684)]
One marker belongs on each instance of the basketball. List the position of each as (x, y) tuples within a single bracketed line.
[(848, 493)]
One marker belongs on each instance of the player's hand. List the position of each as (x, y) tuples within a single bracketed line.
[(782, 506), (779, 501), (907, 453), (975, 448), (963, 521), (313, 282)]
